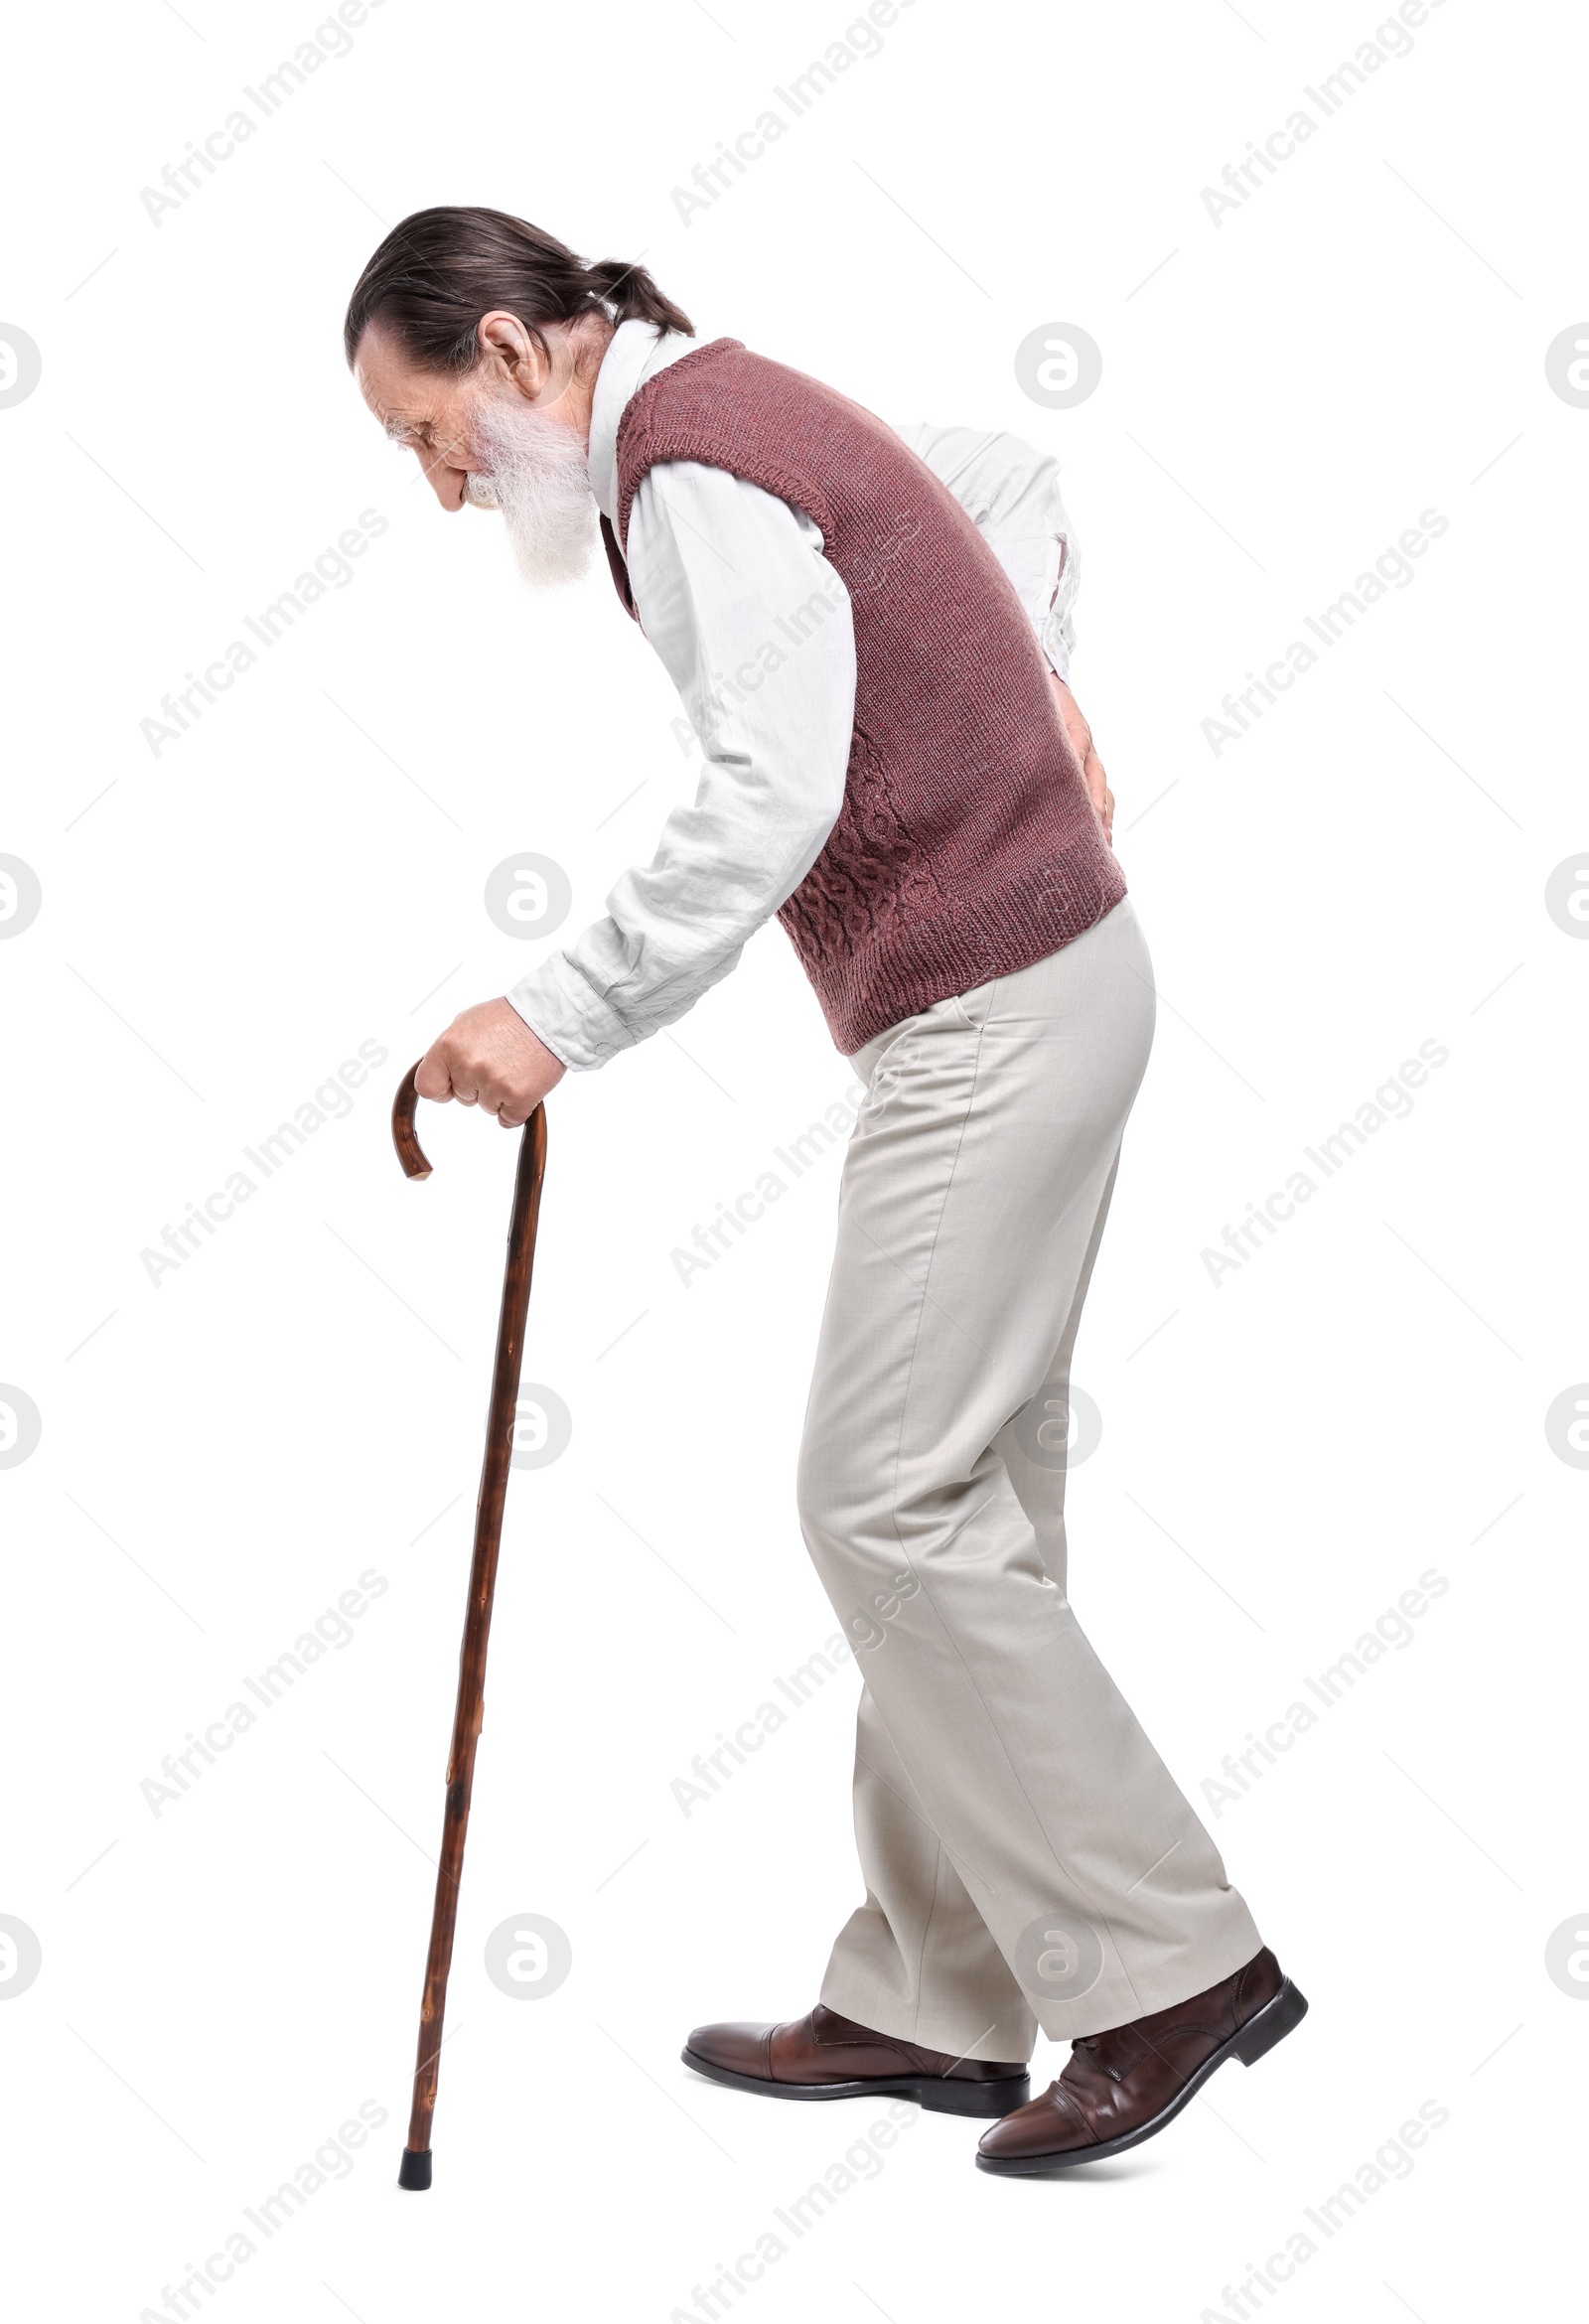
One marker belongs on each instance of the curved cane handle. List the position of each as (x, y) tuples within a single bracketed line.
[(410, 1153)]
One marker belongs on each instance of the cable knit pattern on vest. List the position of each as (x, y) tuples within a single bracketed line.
[(967, 846)]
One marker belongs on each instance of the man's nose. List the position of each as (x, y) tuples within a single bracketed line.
[(446, 481), (443, 466)]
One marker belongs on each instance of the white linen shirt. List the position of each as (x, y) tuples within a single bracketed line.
[(753, 625)]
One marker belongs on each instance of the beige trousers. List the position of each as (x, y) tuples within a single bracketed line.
[(1028, 1858)]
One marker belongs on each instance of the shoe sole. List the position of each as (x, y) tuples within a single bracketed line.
[(1252, 2041), (985, 2099)]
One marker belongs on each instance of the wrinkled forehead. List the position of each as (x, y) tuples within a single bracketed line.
[(404, 396)]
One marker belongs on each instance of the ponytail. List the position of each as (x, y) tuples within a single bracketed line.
[(629, 291)]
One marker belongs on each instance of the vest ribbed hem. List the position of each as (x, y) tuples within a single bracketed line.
[(981, 934)]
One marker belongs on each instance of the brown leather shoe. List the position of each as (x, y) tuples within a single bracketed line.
[(825, 2056), (1122, 2086)]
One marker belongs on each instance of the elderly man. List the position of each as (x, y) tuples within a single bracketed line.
[(869, 630)]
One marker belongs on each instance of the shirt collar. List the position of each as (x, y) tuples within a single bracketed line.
[(633, 354)]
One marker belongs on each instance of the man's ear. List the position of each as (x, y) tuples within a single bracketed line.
[(513, 352)]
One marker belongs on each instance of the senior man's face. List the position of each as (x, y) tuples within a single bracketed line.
[(482, 440)]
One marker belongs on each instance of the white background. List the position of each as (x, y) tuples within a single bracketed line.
[(1364, 1399)]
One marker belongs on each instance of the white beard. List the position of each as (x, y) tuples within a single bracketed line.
[(539, 476)]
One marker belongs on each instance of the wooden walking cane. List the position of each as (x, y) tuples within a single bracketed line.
[(415, 2169)]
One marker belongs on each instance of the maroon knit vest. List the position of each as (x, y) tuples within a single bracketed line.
[(967, 845)]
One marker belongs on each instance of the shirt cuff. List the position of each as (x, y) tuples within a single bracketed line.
[(572, 1020)]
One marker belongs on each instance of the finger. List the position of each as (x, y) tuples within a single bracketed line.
[(431, 1075), (494, 1096), (511, 1111)]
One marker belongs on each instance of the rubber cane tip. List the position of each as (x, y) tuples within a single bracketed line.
[(414, 2170)]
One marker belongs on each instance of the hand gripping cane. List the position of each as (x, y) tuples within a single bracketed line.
[(415, 2168)]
